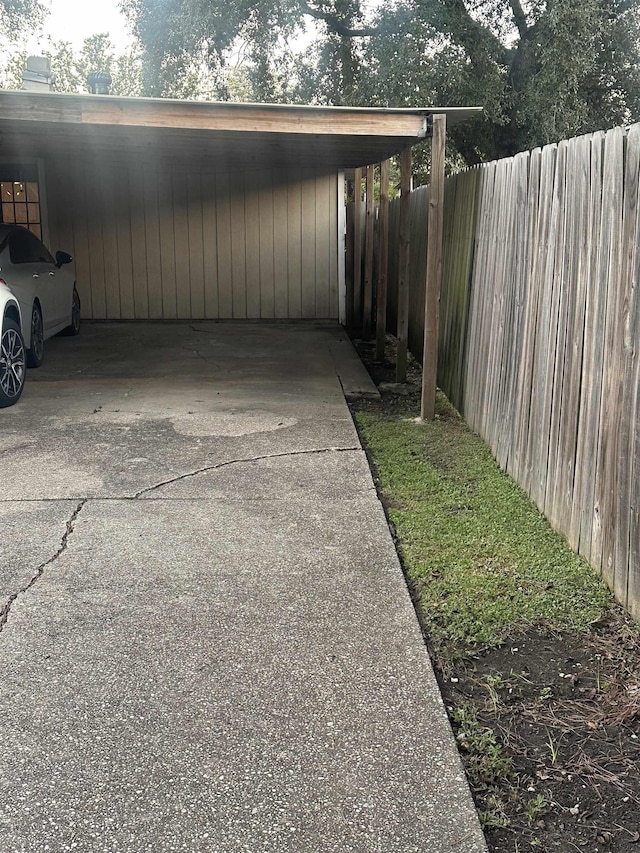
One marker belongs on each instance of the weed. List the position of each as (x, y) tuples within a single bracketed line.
[(492, 819), (493, 683), (554, 747), (536, 807), (487, 763)]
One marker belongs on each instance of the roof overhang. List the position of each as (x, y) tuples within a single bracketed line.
[(212, 135)]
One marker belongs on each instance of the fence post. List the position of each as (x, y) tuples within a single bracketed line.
[(367, 307), (434, 269), (403, 271), (383, 261), (357, 249), (349, 263)]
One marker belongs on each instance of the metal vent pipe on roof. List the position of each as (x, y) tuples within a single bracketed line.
[(99, 82)]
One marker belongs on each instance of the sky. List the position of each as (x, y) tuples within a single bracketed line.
[(75, 20)]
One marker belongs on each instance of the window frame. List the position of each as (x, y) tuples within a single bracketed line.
[(31, 165)]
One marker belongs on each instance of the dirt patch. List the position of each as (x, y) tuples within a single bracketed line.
[(548, 724), (566, 712)]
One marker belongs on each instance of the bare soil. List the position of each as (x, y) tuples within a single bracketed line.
[(563, 709)]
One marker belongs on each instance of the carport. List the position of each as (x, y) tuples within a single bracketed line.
[(194, 210)]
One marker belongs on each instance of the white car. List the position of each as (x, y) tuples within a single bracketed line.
[(44, 287), (13, 365)]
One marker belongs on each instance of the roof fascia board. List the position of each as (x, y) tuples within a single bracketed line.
[(201, 115)]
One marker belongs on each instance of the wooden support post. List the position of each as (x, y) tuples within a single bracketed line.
[(367, 307), (403, 264), (349, 259), (434, 269), (383, 261), (357, 250), (348, 263)]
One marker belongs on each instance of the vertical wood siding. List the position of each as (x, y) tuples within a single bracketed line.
[(152, 244)]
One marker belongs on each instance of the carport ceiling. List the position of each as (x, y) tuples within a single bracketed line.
[(208, 135)]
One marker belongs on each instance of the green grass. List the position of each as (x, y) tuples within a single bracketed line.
[(485, 561)]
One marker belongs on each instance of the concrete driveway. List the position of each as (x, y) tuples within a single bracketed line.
[(206, 641)]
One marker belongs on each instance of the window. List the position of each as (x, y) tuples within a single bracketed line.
[(20, 196), (21, 204), (25, 248)]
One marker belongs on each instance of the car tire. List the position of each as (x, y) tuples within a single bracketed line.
[(12, 364), (74, 327), (35, 354)]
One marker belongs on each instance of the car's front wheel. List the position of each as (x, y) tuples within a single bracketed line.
[(35, 354), (12, 364)]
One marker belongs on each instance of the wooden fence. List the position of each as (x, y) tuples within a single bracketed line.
[(540, 332)]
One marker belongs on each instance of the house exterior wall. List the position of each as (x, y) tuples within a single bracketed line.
[(152, 244)]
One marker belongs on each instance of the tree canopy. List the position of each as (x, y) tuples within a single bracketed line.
[(70, 68), (542, 69), (16, 15)]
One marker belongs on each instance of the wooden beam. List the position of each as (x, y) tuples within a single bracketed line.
[(434, 269), (403, 263), (357, 250), (383, 261), (68, 108), (367, 307), (349, 264)]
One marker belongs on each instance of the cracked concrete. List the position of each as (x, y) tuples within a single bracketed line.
[(209, 645), (5, 609), (208, 468)]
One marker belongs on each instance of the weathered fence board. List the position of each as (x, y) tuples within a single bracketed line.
[(608, 283), (627, 545), (591, 385)]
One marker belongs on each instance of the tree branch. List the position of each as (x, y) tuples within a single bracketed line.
[(519, 17), (337, 25), (471, 34)]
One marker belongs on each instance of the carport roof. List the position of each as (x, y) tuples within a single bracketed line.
[(210, 135)]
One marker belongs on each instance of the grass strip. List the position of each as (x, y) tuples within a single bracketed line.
[(484, 560)]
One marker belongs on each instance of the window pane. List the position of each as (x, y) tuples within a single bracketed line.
[(32, 191), (19, 191), (7, 191), (33, 212), (7, 213), (19, 246), (21, 212), (35, 229)]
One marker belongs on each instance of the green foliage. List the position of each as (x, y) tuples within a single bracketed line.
[(188, 40), (486, 763), (70, 69), (483, 558), (536, 807), (16, 16)]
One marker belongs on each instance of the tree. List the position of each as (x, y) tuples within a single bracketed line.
[(542, 69), (70, 69), (561, 68), (18, 15)]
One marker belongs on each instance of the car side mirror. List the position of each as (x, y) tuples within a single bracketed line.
[(62, 258)]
